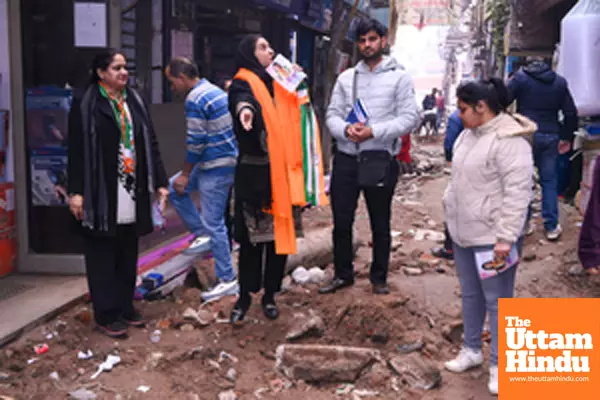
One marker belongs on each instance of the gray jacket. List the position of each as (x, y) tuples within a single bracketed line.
[(389, 96)]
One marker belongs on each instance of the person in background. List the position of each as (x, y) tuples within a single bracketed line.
[(589, 237), (225, 84), (440, 106), (208, 168), (429, 100), (486, 205), (404, 158), (261, 182), (454, 129), (540, 94), (429, 120), (115, 170), (388, 93)]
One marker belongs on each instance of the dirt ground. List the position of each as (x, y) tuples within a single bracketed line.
[(418, 308)]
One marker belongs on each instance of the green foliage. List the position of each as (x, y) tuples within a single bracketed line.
[(498, 12)]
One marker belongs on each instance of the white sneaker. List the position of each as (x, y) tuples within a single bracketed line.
[(221, 289), (199, 245), (466, 359), (493, 382), (554, 234)]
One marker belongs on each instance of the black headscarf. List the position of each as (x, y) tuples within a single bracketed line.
[(245, 58)]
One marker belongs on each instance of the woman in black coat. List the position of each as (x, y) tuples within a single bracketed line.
[(115, 169)]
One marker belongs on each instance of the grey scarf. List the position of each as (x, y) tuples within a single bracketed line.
[(95, 198)]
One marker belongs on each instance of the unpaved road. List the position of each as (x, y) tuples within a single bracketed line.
[(433, 301)]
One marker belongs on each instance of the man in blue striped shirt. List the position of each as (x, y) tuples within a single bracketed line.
[(209, 168)]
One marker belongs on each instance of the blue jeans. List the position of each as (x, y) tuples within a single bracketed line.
[(545, 156), (480, 297), (214, 187)]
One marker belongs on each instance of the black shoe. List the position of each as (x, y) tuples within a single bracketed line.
[(236, 318), (134, 319), (115, 330), (381, 288), (441, 252), (335, 285), (271, 311)]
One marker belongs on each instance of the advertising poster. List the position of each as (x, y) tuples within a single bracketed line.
[(47, 134)]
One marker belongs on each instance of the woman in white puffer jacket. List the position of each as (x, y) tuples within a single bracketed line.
[(486, 207)]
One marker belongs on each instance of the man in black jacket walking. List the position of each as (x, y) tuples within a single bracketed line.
[(540, 94)]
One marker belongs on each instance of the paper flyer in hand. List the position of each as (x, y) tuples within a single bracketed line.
[(488, 267), (358, 114), (283, 71)]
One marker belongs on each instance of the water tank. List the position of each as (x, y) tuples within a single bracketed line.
[(580, 55)]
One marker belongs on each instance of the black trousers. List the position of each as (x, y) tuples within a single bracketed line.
[(251, 274), (111, 266), (344, 200)]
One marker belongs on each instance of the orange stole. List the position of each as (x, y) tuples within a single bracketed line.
[(284, 146)]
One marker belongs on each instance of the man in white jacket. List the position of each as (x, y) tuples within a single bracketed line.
[(387, 93)]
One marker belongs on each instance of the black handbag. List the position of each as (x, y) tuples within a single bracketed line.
[(374, 166)]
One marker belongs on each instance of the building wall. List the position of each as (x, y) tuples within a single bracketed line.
[(5, 80)]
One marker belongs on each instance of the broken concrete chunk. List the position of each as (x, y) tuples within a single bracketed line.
[(229, 395), (312, 325), (412, 271), (454, 331), (418, 373), (317, 363), (82, 394)]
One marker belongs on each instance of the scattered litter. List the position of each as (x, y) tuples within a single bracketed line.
[(279, 385), (54, 376), (258, 392), (427, 234), (395, 234), (187, 328), (226, 356), (229, 395), (41, 348), (579, 224), (301, 275), (155, 336), (394, 384), (317, 275), (430, 321), (143, 388), (213, 364), (365, 393), (407, 348), (164, 324), (31, 361), (49, 336), (82, 394), (4, 376), (107, 365), (344, 389), (412, 271), (231, 375), (85, 356)]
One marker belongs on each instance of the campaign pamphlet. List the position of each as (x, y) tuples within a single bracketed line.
[(358, 114), (284, 72), (488, 266)]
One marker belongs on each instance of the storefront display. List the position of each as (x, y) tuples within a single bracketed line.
[(47, 130)]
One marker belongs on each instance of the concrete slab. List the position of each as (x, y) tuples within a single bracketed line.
[(29, 300)]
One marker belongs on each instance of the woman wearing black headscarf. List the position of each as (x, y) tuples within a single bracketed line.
[(254, 224)]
